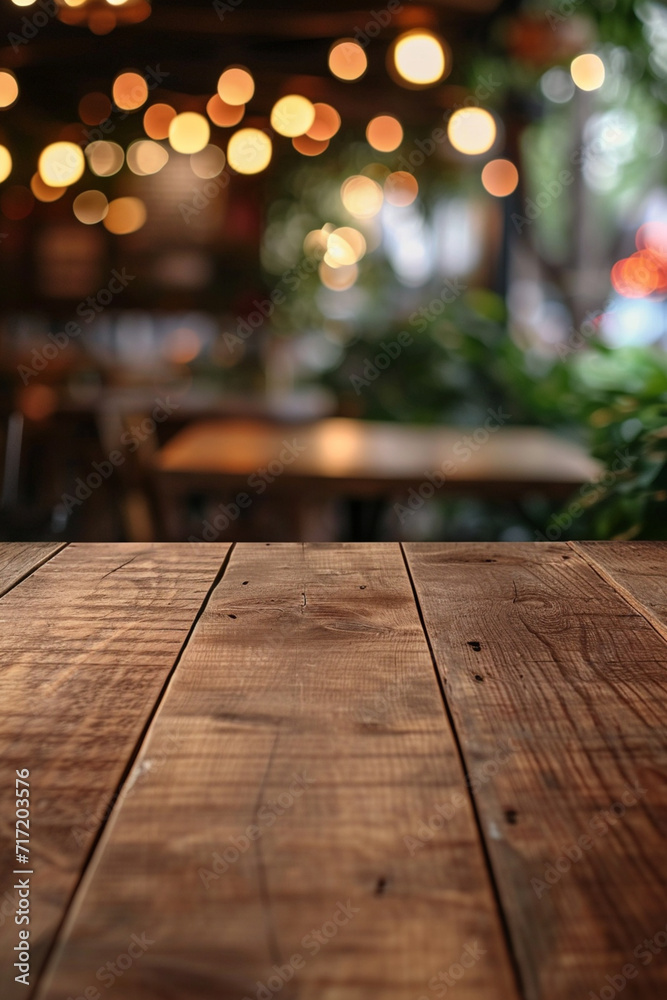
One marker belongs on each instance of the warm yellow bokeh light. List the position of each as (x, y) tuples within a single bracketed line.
[(157, 120), (23, 3), (347, 60), (326, 123), (43, 192), (292, 115), (345, 246), (309, 147), (189, 132), (61, 164), (125, 215), (419, 58), (500, 178), (401, 189), (362, 196), (224, 115), (338, 279), (315, 242), (384, 133), (130, 91), (105, 158), (90, 207), (588, 71), (208, 163), (472, 131), (249, 151), (9, 88), (236, 86), (146, 157), (182, 345), (5, 163)]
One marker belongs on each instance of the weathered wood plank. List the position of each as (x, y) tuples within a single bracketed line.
[(86, 644), (20, 559), (311, 740), (533, 646), (638, 570)]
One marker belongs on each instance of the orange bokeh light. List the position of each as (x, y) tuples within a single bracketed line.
[(326, 124), (222, 114), (157, 120), (640, 275)]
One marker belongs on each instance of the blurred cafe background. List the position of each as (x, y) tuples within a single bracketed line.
[(322, 272)]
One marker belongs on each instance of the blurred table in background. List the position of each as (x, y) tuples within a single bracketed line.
[(305, 466)]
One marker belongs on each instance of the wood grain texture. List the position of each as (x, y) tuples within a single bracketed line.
[(638, 570), (309, 665), (533, 646), (20, 559), (86, 644)]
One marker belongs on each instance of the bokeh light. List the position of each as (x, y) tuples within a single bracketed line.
[(43, 192), (5, 163), (500, 178), (182, 345), (9, 88), (90, 207), (61, 164), (419, 58), (224, 115), (249, 151), (307, 146), (208, 163), (362, 196), (189, 132), (587, 71), (401, 189), (338, 279), (94, 108), (292, 115), (146, 157), (326, 123), (236, 86), (130, 91), (125, 215), (384, 133), (345, 246), (105, 158), (157, 120), (347, 60), (472, 131), (653, 236)]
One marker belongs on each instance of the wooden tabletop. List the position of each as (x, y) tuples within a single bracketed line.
[(372, 456), (334, 772)]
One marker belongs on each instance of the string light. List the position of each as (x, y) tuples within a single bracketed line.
[(419, 58), (189, 132), (587, 71), (292, 115), (471, 131), (347, 60), (249, 151), (61, 164), (236, 86)]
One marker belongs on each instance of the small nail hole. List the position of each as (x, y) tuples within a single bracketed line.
[(381, 886), (231, 616), (511, 816), (479, 678), (476, 646)]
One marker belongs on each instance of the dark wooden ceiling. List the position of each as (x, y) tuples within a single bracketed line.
[(284, 46)]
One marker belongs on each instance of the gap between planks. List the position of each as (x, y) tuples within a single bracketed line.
[(495, 888)]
